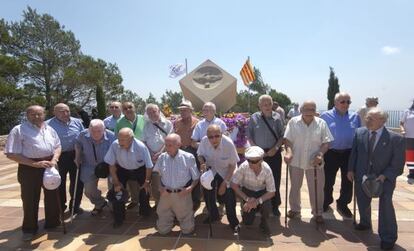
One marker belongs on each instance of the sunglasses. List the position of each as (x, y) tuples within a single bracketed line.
[(253, 161), (127, 107), (345, 102), (214, 136)]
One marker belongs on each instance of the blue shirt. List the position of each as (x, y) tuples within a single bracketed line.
[(85, 144), (342, 128), (67, 132), (136, 156), (110, 122)]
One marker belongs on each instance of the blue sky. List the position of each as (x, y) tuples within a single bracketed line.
[(293, 43)]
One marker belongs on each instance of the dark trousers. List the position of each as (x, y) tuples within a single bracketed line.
[(229, 199), (264, 209), (333, 161), (275, 163), (31, 181), (196, 193), (67, 165), (138, 175)]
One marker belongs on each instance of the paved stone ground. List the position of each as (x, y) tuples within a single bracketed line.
[(96, 233)]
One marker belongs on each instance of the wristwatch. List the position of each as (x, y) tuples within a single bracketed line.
[(260, 200), (227, 183), (148, 181)]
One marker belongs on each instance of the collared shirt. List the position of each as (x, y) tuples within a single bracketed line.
[(68, 132), (124, 122), (32, 142), (244, 176), (201, 128), (153, 136), (185, 130), (378, 136), (136, 156), (110, 122), (342, 127), (408, 120), (306, 140), (176, 171), (293, 113), (260, 133), (221, 157), (86, 144)]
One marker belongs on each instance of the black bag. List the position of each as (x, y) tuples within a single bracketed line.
[(371, 186), (102, 170)]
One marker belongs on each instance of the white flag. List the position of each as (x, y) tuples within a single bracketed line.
[(177, 70)]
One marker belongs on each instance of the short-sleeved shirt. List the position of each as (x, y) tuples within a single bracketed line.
[(260, 133), (201, 128), (221, 157), (408, 120), (31, 141), (136, 156), (342, 128), (154, 136), (67, 132), (176, 171), (185, 130), (293, 113), (306, 140), (86, 145), (244, 176), (139, 125), (110, 122)]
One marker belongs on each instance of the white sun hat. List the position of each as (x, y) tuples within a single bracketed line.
[(206, 179), (51, 178)]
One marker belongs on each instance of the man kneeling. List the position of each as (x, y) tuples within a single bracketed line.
[(178, 176), (258, 187)]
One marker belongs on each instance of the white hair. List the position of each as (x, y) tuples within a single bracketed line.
[(265, 96), (378, 111), (210, 104), (341, 94), (96, 123)]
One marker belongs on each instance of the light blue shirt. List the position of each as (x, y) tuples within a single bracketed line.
[(67, 132), (342, 128), (85, 143), (378, 136), (110, 122), (136, 156), (176, 171), (200, 129)]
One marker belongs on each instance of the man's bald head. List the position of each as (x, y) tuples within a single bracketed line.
[(62, 112), (172, 144), (125, 137), (35, 114)]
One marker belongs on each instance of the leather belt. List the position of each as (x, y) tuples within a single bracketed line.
[(173, 190), (340, 150), (43, 158)]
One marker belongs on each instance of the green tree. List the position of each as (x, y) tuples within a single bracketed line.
[(151, 99), (130, 96), (333, 88), (100, 102), (283, 100), (258, 85), (173, 99)]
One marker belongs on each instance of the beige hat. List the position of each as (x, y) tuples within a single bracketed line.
[(254, 152), (186, 104), (371, 99)]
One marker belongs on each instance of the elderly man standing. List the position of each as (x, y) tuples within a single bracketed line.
[(253, 182), (265, 130), (306, 139), (68, 129), (34, 146), (209, 114), (218, 152), (376, 150), (370, 102), (91, 146), (294, 111), (184, 126), (116, 114), (129, 159), (178, 177), (155, 130), (342, 124)]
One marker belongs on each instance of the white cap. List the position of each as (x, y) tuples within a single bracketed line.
[(51, 178), (206, 179), (254, 152)]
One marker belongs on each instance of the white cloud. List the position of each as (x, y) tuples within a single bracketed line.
[(389, 50)]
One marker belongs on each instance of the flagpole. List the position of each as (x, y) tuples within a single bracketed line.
[(248, 91), (186, 68)]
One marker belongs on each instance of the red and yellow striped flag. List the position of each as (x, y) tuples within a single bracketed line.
[(247, 73)]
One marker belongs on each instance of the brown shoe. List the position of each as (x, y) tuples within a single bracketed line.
[(319, 219), (293, 214)]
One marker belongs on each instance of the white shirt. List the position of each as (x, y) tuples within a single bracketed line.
[(32, 142), (408, 120), (221, 157), (245, 177), (133, 158), (200, 129), (153, 136), (306, 140)]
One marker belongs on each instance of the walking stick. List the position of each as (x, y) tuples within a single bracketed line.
[(315, 178), (286, 193), (354, 198), (62, 219), (74, 194)]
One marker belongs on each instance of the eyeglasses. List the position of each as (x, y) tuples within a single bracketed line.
[(127, 107), (345, 102), (114, 107), (214, 136), (253, 161)]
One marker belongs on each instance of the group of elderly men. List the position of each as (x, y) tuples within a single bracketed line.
[(150, 155)]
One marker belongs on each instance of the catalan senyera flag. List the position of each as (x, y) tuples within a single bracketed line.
[(247, 73)]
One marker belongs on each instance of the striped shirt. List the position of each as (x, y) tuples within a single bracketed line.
[(176, 171), (136, 156), (244, 176)]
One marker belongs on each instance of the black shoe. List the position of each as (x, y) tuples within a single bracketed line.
[(131, 205), (236, 229), (410, 176), (207, 220), (361, 227), (387, 245), (117, 224), (276, 212), (28, 236), (78, 210), (265, 228), (344, 211), (98, 210), (326, 208)]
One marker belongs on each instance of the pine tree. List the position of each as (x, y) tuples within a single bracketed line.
[(333, 88)]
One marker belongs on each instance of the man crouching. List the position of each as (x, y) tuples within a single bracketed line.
[(178, 176)]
